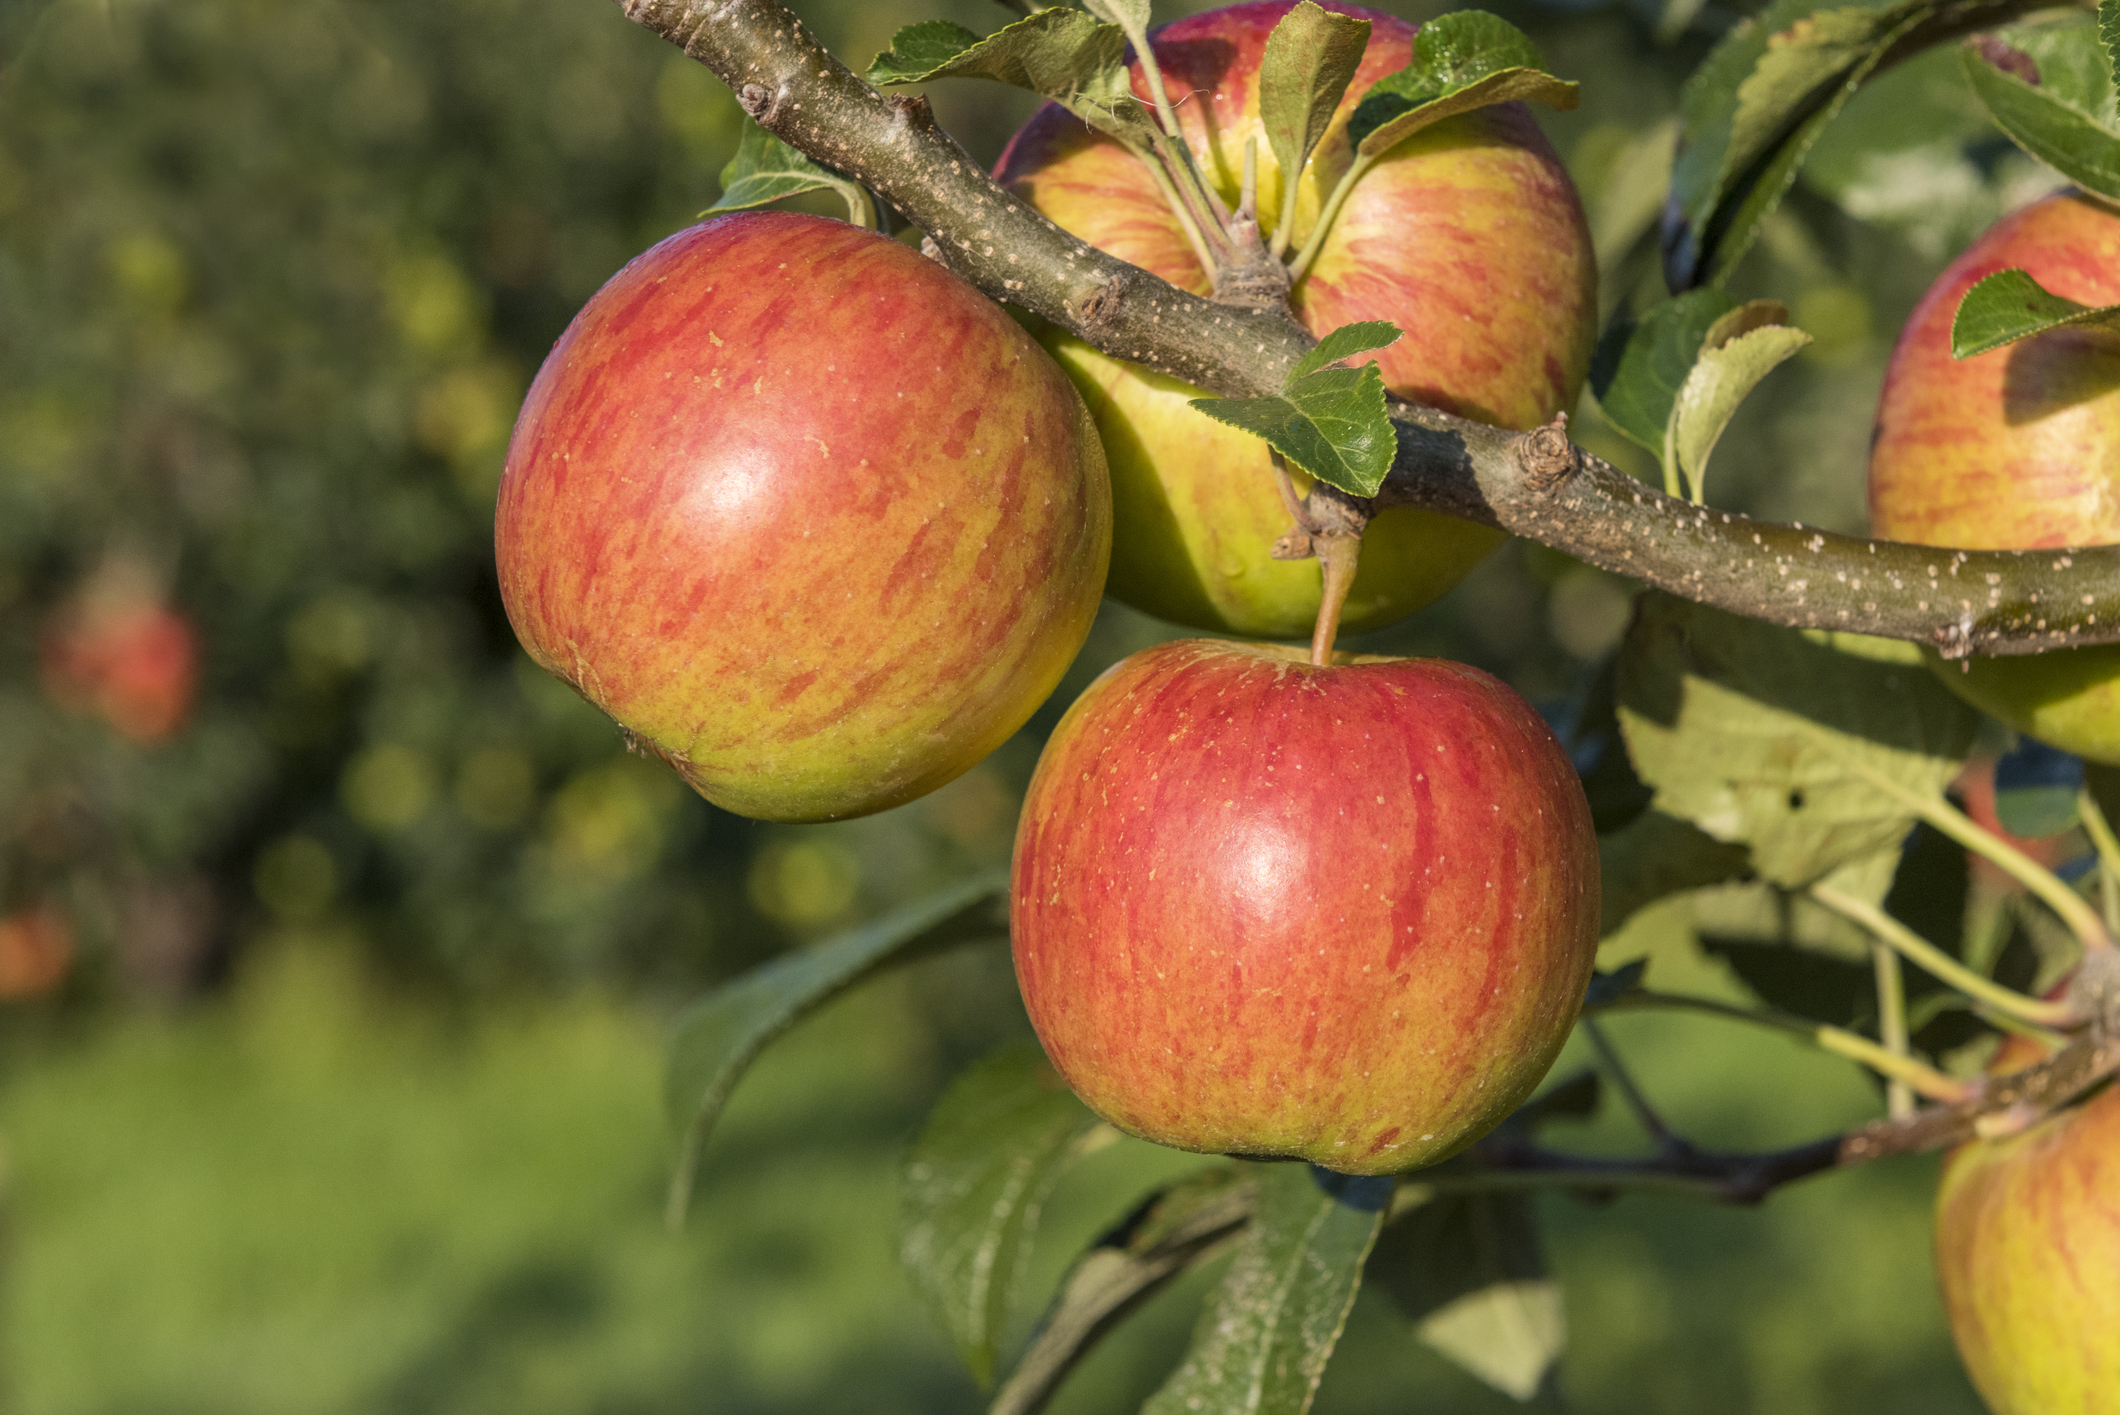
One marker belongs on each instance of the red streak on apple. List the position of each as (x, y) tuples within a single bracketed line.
[(810, 516), (1343, 913)]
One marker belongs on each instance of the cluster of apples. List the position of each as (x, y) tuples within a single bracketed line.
[(2020, 449), (821, 526)]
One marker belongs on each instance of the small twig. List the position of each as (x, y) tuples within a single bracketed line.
[(1637, 1102)]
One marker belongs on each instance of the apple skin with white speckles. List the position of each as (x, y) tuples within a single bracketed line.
[(2018, 449), (1468, 235), (2028, 1257), (1345, 914), (815, 520)]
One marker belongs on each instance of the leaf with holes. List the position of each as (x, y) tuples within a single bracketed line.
[(2010, 305), (1808, 748), (1469, 1270), (722, 1034), (1263, 1341), (973, 1184)]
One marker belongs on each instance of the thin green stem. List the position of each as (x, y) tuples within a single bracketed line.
[(2100, 830), (1179, 209), (1892, 1023), (1940, 965), (1608, 1057), (1925, 1079), (1327, 214), (1285, 225), (1153, 71), (2082, 920)]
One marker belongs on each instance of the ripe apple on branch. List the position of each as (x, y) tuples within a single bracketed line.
[(1253, 912)]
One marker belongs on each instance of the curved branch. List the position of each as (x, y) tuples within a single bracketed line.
[(1537, 485)]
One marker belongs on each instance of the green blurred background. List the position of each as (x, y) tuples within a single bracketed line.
[(330, 1034)]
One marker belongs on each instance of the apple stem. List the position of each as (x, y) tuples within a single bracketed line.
[(2103, 841), (2075, 911), (1180, 208), (1890, 933), (1338, 552), (1892, 1023), (1329, 213)]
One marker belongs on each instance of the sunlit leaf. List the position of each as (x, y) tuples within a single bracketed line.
[(723, 1033), (1655, 856), (1061, 54), (1310, 58), (1344, 343), (1331, 423), (1740, 349), (766, 169), (2010, 305), (1790, 743), (1263, 1341), (1640, 367), (973, 1183)]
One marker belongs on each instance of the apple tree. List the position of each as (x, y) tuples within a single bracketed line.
[(1329, 300)]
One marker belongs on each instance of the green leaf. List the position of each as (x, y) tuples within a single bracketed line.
[(973, 1184), (2010, 305), (766, 169), (723, 1033), (1310, 58), (1331, 423), (1467, 1268), (1655, 856), (1751, 114), (921, 51), (2063, 137), (2069, 61), (1344, 343), (1185, 1225), (1061, 54), (1127, 14), (1640, 367), (1740, 349), (2109, 35), (1790, 743), (1461, 61), (1263, 1341)]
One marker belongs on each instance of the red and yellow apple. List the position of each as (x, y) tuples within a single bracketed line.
[(2028, 1257), (809, 516), (1341, 913), (2016, 449), (1468, 235)]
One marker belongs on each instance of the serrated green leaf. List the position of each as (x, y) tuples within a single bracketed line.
[(1639, 368), (1464, 60), (972, 1186), (1344, 343), (1186, 1224), (1060, 54), (766, 169), (2010, 305), (1331, 423), (721, 1035), (2063, 137), (1741, 348), (1310, 58), (2109, 35), (920, 51), (2069, 58), (1267, 1332), (1469, 1271), (1764, 737), (1655, 856), (1127, 14)]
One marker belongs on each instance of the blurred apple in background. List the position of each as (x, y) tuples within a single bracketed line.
[(810, 516), (2015, 449), (36, 948), (119, 650), (1468, 235), (1344, 913)]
